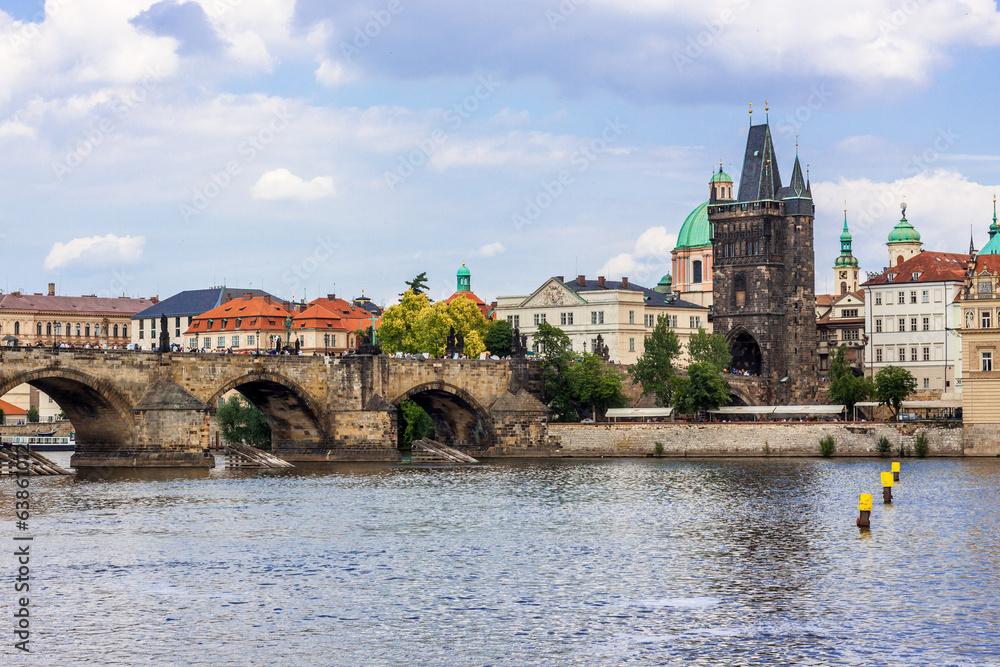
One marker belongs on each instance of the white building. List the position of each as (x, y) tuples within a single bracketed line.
[(622, 313), (911, 314)]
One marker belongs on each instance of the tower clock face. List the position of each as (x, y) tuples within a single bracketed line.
[(843, 275)]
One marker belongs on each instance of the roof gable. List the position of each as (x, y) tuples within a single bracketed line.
[(553, 293)]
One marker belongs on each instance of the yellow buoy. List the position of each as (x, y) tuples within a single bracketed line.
[(895, 466), (865, 502), (887, 479)]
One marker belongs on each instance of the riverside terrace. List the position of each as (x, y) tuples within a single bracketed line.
[(143, 409)]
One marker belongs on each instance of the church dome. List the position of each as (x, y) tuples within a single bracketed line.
[(695, 232), (904, 233), (463, 271), (993, 247), (846, 261), (720, 177)]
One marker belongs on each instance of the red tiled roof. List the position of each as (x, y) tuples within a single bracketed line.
[(929, 267), (335, 315), (990, 263), (11, 409), (824, 299), (257, 314), (96, 305)]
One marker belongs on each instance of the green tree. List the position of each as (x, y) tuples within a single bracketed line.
[(593, 382), (704, 388), (892, 385), (554, 350), (399, 331), (474, 345), (552, 341), (655, 369), (845, 387), (32, 415), (241, 421), (418, 285), (713, 349), (466, 318), (499, 338), (417, 423), (3, 417)]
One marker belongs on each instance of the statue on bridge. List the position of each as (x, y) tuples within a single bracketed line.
[(449, 348), (519, 344), (164, 335), (367, 344), (600, 349)]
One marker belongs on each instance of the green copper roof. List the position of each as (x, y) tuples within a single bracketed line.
[(695, 232), (721, 177), (463, 271), (993, 247), (666, 280), (845, 236), (904, 232), (846, 261)]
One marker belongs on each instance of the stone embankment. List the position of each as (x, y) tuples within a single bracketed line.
[(756, 440)]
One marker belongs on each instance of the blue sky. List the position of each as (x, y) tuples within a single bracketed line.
[(158, 146)]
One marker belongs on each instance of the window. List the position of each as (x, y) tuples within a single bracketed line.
[(97, 329), (902, 354), (673, 321), (850, 334), (48, 328), (514, 321), (849, 312), (116, 330), (692, 321), (569, 318), (236, 341), (631, 317), (562, 319), (913, 324), (86, 329), (192, 342), (124, 331), (927, 324), (927, 383), (902, 324), (878, 355), (987, 361), (913, 354), (927, 354), (631, 344), (190, 319), (597, 317), (58, 328), (985, 319), (593, 317), (696, 271), (208, 343), (913, 296), (140, 325), (902, 297), (925, 296), (17, 328), (539, 318), (141, 334), (823, 334), (878, 298), (221, 341), (177, 321), (878, 325)]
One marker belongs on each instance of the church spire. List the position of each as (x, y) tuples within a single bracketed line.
[(994, 228), (972, 241)]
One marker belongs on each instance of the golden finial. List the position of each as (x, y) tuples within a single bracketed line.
[(845, 206), (766, 108), (751, 113)]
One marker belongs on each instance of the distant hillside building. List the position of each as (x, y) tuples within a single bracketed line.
[(763, 273)]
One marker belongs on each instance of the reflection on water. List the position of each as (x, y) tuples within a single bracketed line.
[(519, 563)]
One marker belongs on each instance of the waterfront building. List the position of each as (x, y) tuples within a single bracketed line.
[(763, 273), (329, 325), (912, 314), (13, 414), (244, 324), (692, 258), (463, 290), (980, 331), (621, 312), (840, 317), (181, 309)]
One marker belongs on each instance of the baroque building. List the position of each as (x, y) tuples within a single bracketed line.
[(764, 273), (692, 258)]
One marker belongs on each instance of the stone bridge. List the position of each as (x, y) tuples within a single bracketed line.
[(146, 409)]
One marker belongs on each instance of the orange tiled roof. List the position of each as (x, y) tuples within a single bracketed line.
[(11, 409), (927, 267), (94, 305), (259, 313)]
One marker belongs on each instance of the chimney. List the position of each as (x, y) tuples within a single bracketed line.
[(288, 306), (600, 281), (493, 305), (52, 289), (247, 296), (229, 297), (581, 281), (154, 300), (560, 279), (331, 297), (624, 282)]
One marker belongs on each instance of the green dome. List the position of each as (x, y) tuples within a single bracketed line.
[(904, 233), (846, 261), (695, 232), (666, 280), (846, 235), (721, 177), (463, 271), (993, 247)]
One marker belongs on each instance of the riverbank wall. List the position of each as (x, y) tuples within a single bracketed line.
[(752, 440)]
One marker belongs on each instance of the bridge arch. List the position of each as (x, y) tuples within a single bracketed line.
[(459, 418), (98, 412), (292, 413), (746, 352)]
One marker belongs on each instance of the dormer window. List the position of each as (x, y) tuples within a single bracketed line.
[(210, 323), (916, 275)]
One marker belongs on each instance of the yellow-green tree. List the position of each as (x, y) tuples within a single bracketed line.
[(399, 330), (466, 317), (474, 345), (436, 322), (433, 325)]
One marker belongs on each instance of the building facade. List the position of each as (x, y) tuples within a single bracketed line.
[(692, 259), (245, 324), (912, 315), (329, 325), (764, 273), (621, 312)]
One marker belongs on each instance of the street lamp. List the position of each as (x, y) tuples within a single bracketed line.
[(257, 340)]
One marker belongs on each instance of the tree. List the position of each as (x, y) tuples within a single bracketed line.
[(655, 368), (713, 349), (474, 345), (593, 382), (705, 388), (499, 338), (892, 385), (418, 285), (552, 341), (466, 318), (3, 417), (554, 350), (417, 423), (32, 415), (845, 387), (433, 326), (398, 330), (241, 421)]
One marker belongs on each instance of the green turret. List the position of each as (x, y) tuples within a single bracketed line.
[(464, 277)]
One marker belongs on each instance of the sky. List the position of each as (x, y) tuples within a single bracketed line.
[(309, 147)]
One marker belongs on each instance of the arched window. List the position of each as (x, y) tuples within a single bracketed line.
[(125, 331), (899, 260), (696, 270), (116, 331), (740, 291), (17, 328), (87, 331), (843, 289), (97, 329)]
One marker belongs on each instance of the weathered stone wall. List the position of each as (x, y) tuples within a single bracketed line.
[(785, 439), (982, 440)]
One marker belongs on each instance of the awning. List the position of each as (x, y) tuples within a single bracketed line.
[(639, 412), (930, 405), (779, 410)]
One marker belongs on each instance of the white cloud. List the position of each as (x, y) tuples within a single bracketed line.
[(15, 128), (647, 262), (105, 250), (491, 249), (331, 73), (283, 184)]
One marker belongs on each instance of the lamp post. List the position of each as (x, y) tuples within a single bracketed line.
[(257, 340)]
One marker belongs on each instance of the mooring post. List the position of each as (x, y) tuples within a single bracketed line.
[(895, 471), (887, 487), (865, 508)]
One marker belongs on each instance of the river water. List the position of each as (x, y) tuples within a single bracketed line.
[(582, 562)]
